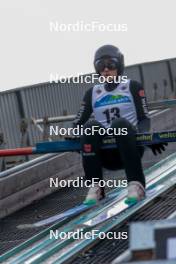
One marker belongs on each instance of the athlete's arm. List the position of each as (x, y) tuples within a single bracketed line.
[(142, 114), (140, 102), (85, 110)]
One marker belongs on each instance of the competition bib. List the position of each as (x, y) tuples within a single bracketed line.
[(108, 106)]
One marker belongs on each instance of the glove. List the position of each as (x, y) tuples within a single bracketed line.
[(158, 148)]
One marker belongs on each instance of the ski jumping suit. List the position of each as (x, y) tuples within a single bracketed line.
[(118, 106)]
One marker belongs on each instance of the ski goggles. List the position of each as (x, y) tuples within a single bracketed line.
[(101, 64)]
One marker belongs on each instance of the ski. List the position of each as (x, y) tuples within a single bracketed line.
[(118, 205), (70, 213)]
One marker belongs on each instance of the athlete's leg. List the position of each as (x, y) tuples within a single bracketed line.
[(90, 146), (129, 152)]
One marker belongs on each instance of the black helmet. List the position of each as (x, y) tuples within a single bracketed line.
[(113, 52)]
